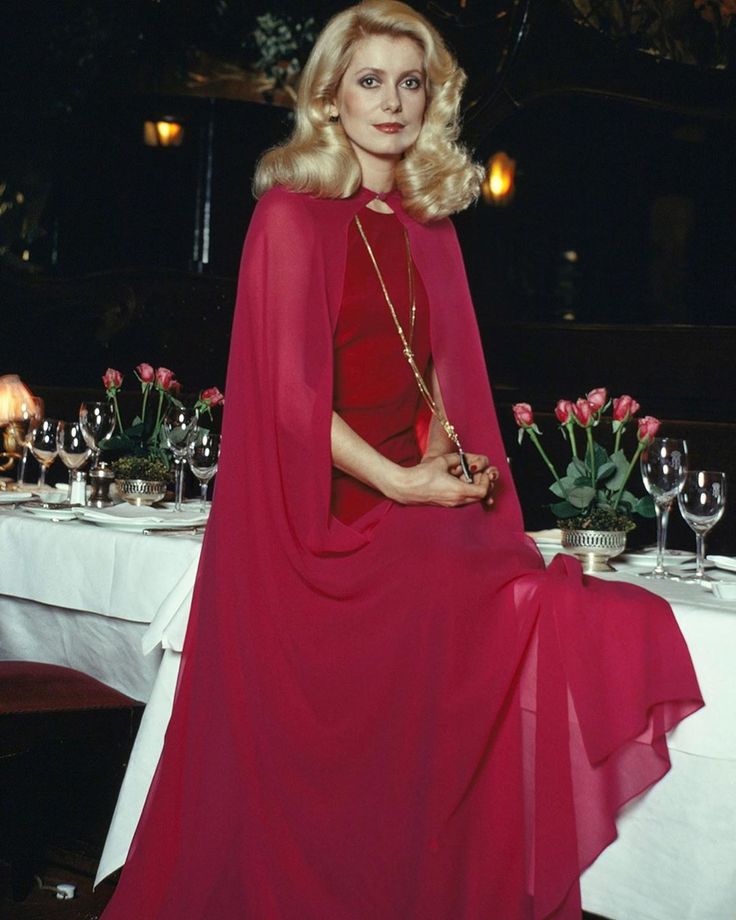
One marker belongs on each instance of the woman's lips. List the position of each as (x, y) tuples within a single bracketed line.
[(389, 127)]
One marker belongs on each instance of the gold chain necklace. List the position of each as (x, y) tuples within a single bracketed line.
[(407, 343)]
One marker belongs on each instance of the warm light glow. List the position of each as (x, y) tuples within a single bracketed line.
[(15, 398), (498, 185), (163, 133)]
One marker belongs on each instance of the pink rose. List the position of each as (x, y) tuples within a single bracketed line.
[(648, 428), (564, 411), (597, 398), (212, 397), (163, 378), (145, 373), (523, 415), (624, 408), (583, 412), (174, 388), (112, 380)]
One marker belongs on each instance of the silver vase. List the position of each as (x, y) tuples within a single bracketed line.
[(594, 547), (141, 491)]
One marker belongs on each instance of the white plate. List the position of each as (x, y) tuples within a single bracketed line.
[(648, 556), (727, 563), (10, 498), (51, 514)]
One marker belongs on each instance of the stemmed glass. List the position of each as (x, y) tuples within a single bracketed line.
[(179, 425), (97, 421), (31, 412), (702, 502), (203, 453), (73, 448), (42, 442), (663, 468)]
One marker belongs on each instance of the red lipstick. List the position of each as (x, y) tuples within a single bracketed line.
[(389, 127)]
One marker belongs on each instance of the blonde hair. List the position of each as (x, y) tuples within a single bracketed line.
[(436, 176)]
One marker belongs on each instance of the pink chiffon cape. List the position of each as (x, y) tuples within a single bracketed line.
[(407, 718)]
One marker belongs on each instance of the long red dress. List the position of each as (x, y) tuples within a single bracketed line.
[(399, 715)]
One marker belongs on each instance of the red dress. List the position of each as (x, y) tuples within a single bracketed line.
[(403, 715), (374, 387)]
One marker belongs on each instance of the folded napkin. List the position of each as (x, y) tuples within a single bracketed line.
[(8, 498), (723, 562), (145, 515), (553, 536)]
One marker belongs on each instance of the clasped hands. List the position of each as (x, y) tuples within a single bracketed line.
[(438, 480)]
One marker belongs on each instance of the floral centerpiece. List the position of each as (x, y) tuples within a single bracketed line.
[(592, 492), (139, 451)]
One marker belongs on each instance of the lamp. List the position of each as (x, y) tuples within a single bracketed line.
[(18, 408), (165, 132), (498, 186)]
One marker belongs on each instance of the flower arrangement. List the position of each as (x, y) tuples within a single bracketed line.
[(592, 492), (141, 448)]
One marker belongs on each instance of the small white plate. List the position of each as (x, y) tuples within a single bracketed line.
[(12, 498), (132, 519), (51, 514), (648, 556)]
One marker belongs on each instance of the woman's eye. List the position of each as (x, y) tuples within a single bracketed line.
[(369, 82), (412, 83)]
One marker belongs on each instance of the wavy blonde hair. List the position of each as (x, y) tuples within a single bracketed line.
[(436, 176)]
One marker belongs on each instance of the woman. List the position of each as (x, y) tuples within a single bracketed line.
[(388, 709)]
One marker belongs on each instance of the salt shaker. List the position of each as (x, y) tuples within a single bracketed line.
[(78, 491)]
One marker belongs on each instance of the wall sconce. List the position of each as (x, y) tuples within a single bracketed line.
[(166, 132), (498, 186)]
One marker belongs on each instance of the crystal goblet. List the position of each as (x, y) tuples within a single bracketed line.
[(178, 426), (97, 421), (42, 442), (30, 413), (702, 501), (73, 448), (203, 454), (663, 466)]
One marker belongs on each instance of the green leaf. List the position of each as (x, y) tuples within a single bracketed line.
[(576, 467), (606, 470), (601, 455), (581, 496), (520, 435), (564, 510), (645, 507), (558, 489), (583, 481), (622, 466)]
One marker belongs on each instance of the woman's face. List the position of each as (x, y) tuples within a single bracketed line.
[(381, 100)]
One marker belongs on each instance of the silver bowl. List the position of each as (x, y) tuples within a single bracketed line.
[(594, 547), (141, 491)]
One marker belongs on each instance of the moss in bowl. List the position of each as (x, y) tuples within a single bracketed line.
[(141, 480)]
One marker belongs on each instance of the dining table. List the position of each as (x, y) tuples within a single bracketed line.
[(114, 604)]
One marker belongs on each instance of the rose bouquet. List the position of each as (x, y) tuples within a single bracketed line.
[(142, 444), (592, 493)]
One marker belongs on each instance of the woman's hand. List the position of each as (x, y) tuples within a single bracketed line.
[(438, 480)]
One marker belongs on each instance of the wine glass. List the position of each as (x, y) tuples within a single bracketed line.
[(702, 502), (42, 442), (30, 413), (97, 421), (73, 448), (663, 467), (203, 453), (178, 426)]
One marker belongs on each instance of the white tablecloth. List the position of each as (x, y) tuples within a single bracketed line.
[(675, 858)]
